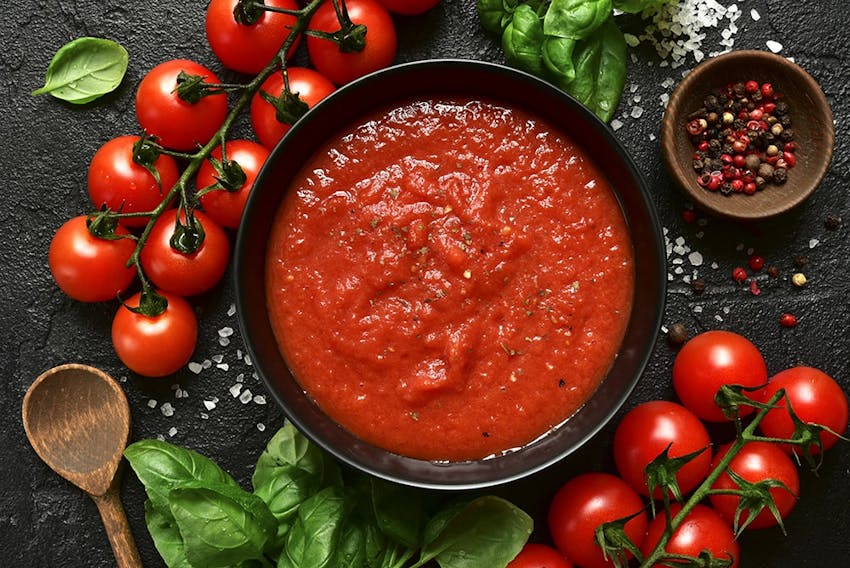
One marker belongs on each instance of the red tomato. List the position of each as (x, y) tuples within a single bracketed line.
[(711, 360), (757, 461), (223, 206), (584, 503), (408, 7), (88, 268), (310, 86), (647, 430), (155, 346), (702, 529), (342, 67), (116, 181), (185, 274), (815, 398), (248, 48), (177, 124), (535, 555)]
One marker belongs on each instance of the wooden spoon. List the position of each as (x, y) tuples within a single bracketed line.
[(78, 421)]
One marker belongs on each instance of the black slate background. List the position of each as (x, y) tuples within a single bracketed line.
[(45, 148)]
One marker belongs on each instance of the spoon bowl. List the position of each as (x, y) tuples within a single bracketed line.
[(78, 421)]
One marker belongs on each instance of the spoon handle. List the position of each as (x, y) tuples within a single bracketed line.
[(118, 529)]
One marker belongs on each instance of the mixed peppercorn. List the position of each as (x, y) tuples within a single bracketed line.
[(743, 139)]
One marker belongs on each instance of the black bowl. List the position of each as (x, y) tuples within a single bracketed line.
[(446, 78)]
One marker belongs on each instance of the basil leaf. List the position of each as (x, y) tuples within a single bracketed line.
[(523, 39), (398, 512), (166, 536), (600, 63), (161, 467), (290, 470), (495, 15), (488, 531), (313, 538), (84, 70), (558, 59), (352, 547), (637, 6), (575, 19), (221, 525)]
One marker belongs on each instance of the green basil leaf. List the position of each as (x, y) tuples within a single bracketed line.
[(494, 15), (314, 536), (488, 531), (84, 70), (600, 63), (166, 536), (398, 512), (290, 470), (558, 59), (221, 525), (161, 467), (575, 19), (522, 40), (637, 6), (352, 547)]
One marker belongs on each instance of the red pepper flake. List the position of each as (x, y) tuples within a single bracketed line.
[(739, 274), (788, 320), (754, 288), (756, 262)]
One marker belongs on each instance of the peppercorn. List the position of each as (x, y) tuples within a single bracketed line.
[(752, 161), (765, 171), (832, 222), (760, 183), (677, 334), (773, 271), (798, 279), (739, 274), (781, 108), (698, 286), (689, 216), (800, 261), (756, 262), (788, 320), (780, 176)]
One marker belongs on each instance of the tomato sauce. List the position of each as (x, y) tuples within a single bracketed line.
[(450, 279)]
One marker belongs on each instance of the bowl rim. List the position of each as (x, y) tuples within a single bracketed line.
[(681, 174), (658, 274)]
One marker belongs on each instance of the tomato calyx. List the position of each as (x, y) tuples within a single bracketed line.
[(229, 176), (103, 225), (351, 37), (730, 399), (704, 560), (615, 543), (754, 498), (248, 12), (661, 473), (289, 106), (151, 304), (193, 88), (189, 236)]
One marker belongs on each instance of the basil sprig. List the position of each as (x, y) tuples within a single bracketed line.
[(84, 70), (305, 512)]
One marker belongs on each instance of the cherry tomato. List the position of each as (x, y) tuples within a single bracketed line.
[(185, 274), (155, 346), (650, 428), (702, 529), (88, 268), (585, 502), (408, 7), (815, 397), (221, 205), (713, 359), (342, 67), (175, 123), (121, 184), (535, 555), (248, 48), (310, 86), (756, 462)]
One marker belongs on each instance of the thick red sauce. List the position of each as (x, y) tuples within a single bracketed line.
[(450, 279)]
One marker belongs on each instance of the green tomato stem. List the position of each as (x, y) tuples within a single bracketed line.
[(701, 492)]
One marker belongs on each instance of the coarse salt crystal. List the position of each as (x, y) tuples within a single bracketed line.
[(637, 112), (695, 258), (204, 416), (259, 399), (152, 403), (754, 14), (223, 366), (209, 405), (631, 40), (225, 332), (813, 243), (773, 46), (240, 377), (206, 364), (166, 409), (223, 341), (248, 360), (261, 427), (246, 397), (236, 389), (195, 367), (231, 310), (697, 309), (218, 358), (172, 431), (616, 124)]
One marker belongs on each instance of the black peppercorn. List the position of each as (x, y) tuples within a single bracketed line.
[(800, 261), (677, 334), (787, 135), (785, 120), (781, 108), (773, 271), (698, 286), (727, 188), (780, 176), (832, 221)]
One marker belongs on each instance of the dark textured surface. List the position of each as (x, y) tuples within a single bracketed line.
[(45, 148)]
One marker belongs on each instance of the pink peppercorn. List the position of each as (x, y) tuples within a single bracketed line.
[(769, 108), (750, 188), (790, 159), (739, 274), (754, 288), (788, 320), (756, 262), (751, 87), (756, 114), (766, 90)]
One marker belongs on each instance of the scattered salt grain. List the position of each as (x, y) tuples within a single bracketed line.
[(206, 364), (172, 431), (225, 332), (248, 360), (218, 358), (236, 389), (223, 366), (195, 367), (697, 309), (259, 399), (774, 46), (231, 311), (637, 112), (631, 40), (813, 243), (616, 125), (166, 409), (152, 403), (718, 317), (239, 354), (223, 341), (240, 377), (652, 137), (209, 405), (261, 427), (204, 416), (695, 258), (246, 397), (754, 14)]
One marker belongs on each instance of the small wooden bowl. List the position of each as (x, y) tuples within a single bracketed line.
[(811, 117)]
